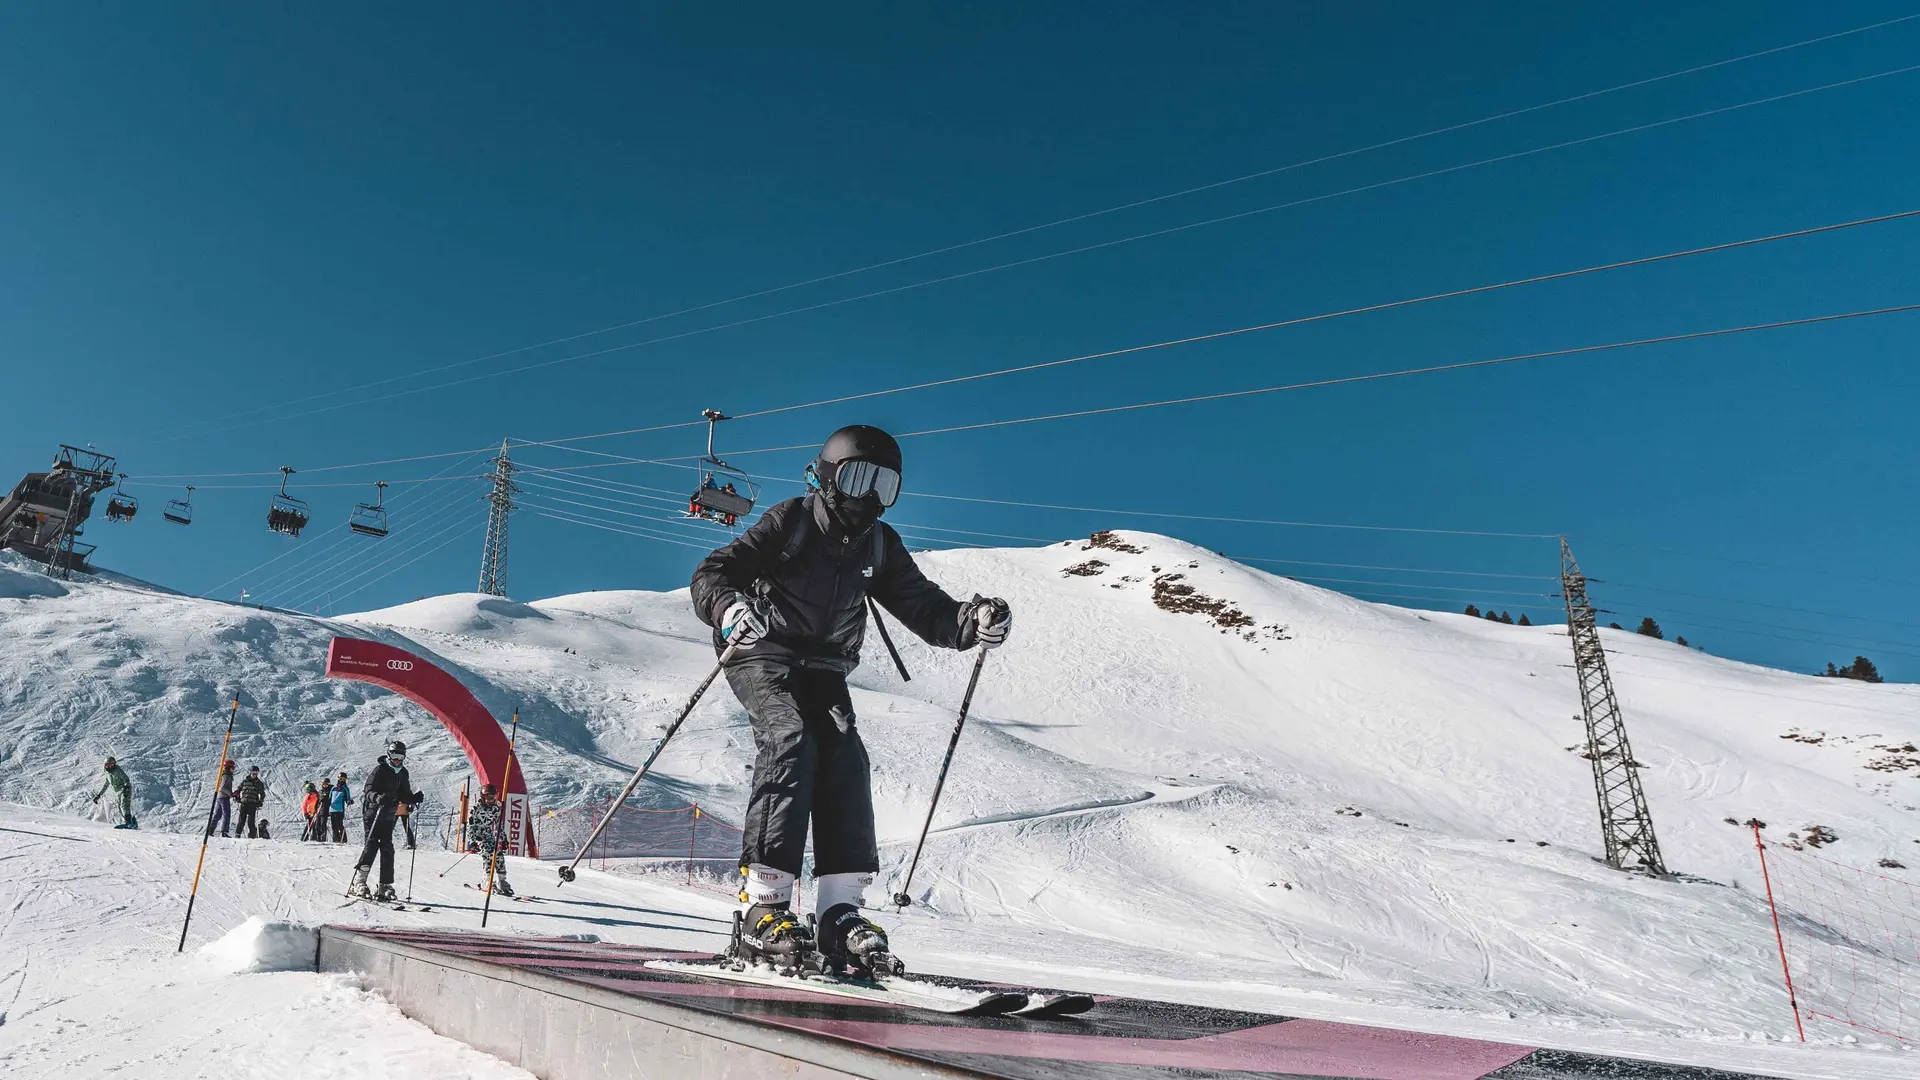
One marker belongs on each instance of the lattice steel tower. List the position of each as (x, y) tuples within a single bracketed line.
[(493, 559), (1626, 826)]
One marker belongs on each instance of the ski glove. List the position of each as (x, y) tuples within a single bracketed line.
[(992, 621), (744, 623)]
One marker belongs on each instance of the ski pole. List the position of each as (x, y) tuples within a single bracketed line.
[(194, 893), (500, 824), (566, 872), (456, 862), (412, 860), (901, 899)]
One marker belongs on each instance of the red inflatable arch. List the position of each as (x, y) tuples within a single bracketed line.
[(438, 692)]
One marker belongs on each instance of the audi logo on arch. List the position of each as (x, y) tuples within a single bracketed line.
[(400, 665)]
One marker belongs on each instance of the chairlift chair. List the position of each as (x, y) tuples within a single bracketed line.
[(725, 494), (120, 505), (286, 514), (371, 520), (180, 511)]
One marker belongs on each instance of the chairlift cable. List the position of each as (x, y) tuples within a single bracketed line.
[(1027, 230)]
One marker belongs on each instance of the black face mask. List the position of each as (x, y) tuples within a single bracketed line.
[(855, 515)]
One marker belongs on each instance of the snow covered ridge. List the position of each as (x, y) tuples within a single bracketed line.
[(1255, 783)]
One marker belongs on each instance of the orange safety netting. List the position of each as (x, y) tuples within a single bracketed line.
[(682, 832)]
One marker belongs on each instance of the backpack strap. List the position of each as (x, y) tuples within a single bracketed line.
[(796, 534)]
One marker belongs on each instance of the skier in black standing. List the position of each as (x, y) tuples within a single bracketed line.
[(791, 594), (386, 788), (251, 792)]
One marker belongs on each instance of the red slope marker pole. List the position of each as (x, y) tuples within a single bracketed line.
[(1779, 939)]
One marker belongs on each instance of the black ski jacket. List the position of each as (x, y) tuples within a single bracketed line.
[(816, 591), (386, 788), (252, 790)]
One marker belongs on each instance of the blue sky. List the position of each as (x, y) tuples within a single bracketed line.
[(209, 215)]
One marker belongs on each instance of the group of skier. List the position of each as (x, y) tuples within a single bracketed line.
[(324, 809), (250, 792)]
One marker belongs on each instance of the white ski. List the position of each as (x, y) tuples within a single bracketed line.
[(895, 991)]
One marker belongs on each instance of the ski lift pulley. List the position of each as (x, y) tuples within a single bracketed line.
[(180, 511), (287, 514), (120, 505), (725, 494), (371, 520)]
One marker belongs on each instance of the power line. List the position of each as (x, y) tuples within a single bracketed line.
[(315, 593), (1609, 583), (1635, 129), (539, 511), (1399, 569), (350, 550), (1376, 376), (471, 529), (1470, 590), (1118, 208)]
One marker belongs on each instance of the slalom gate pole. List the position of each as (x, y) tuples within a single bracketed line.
[(194, 893), (566, 872), (1779, 939), (901, 898), (693, 832), (500, 824)]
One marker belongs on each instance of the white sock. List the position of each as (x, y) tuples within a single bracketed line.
[(835, 889), (765, 885)]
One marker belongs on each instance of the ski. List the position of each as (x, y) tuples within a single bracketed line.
[(911, 993), (1049, 1006), (499, 896)]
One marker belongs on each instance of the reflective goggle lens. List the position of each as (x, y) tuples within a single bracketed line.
[(859, 478)]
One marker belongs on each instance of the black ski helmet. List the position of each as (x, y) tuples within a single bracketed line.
[(397, 747), (861, 442), (486, 790)]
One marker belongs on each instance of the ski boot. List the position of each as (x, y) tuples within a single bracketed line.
[(770, 934), (853, 946), (358, 889), (500, 886), (385, 894)]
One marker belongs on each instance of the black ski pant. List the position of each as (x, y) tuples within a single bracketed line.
[(407, 824), (379, 839), (246, 824), (339, 826), (810, 766)]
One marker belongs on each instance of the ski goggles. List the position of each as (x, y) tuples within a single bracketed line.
[(396, 760), (857, 479)]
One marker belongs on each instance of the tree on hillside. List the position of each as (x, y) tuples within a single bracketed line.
[(1651, 629), (1861, 669), (1490, 616), (1615, 626), (1474, 613), (1506, 618), (1681, 641), (1524, 621)]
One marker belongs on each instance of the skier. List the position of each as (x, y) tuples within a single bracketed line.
[(789, 594), (342, 799), (252, 792), (488, 821), (307, 807), (322, 812), (386, 788), (222, 816), (123, 792)]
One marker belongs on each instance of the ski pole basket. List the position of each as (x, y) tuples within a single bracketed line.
[(371, 519), (725, 494), (286, 514), (120, 505), (180, 511)]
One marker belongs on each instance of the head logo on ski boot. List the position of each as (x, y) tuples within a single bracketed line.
[(851, 944), (770, 934)]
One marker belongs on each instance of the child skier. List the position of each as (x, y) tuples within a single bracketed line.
[(123, 793), (308, 806), (386, 788), (790, 594), (487, 823)]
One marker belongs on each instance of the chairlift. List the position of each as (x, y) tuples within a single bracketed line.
[(180, 511), (725, 494), (287, 514), (371, 520), (120, 505)]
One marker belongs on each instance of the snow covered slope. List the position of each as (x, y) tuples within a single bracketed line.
[(1257, 791)]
